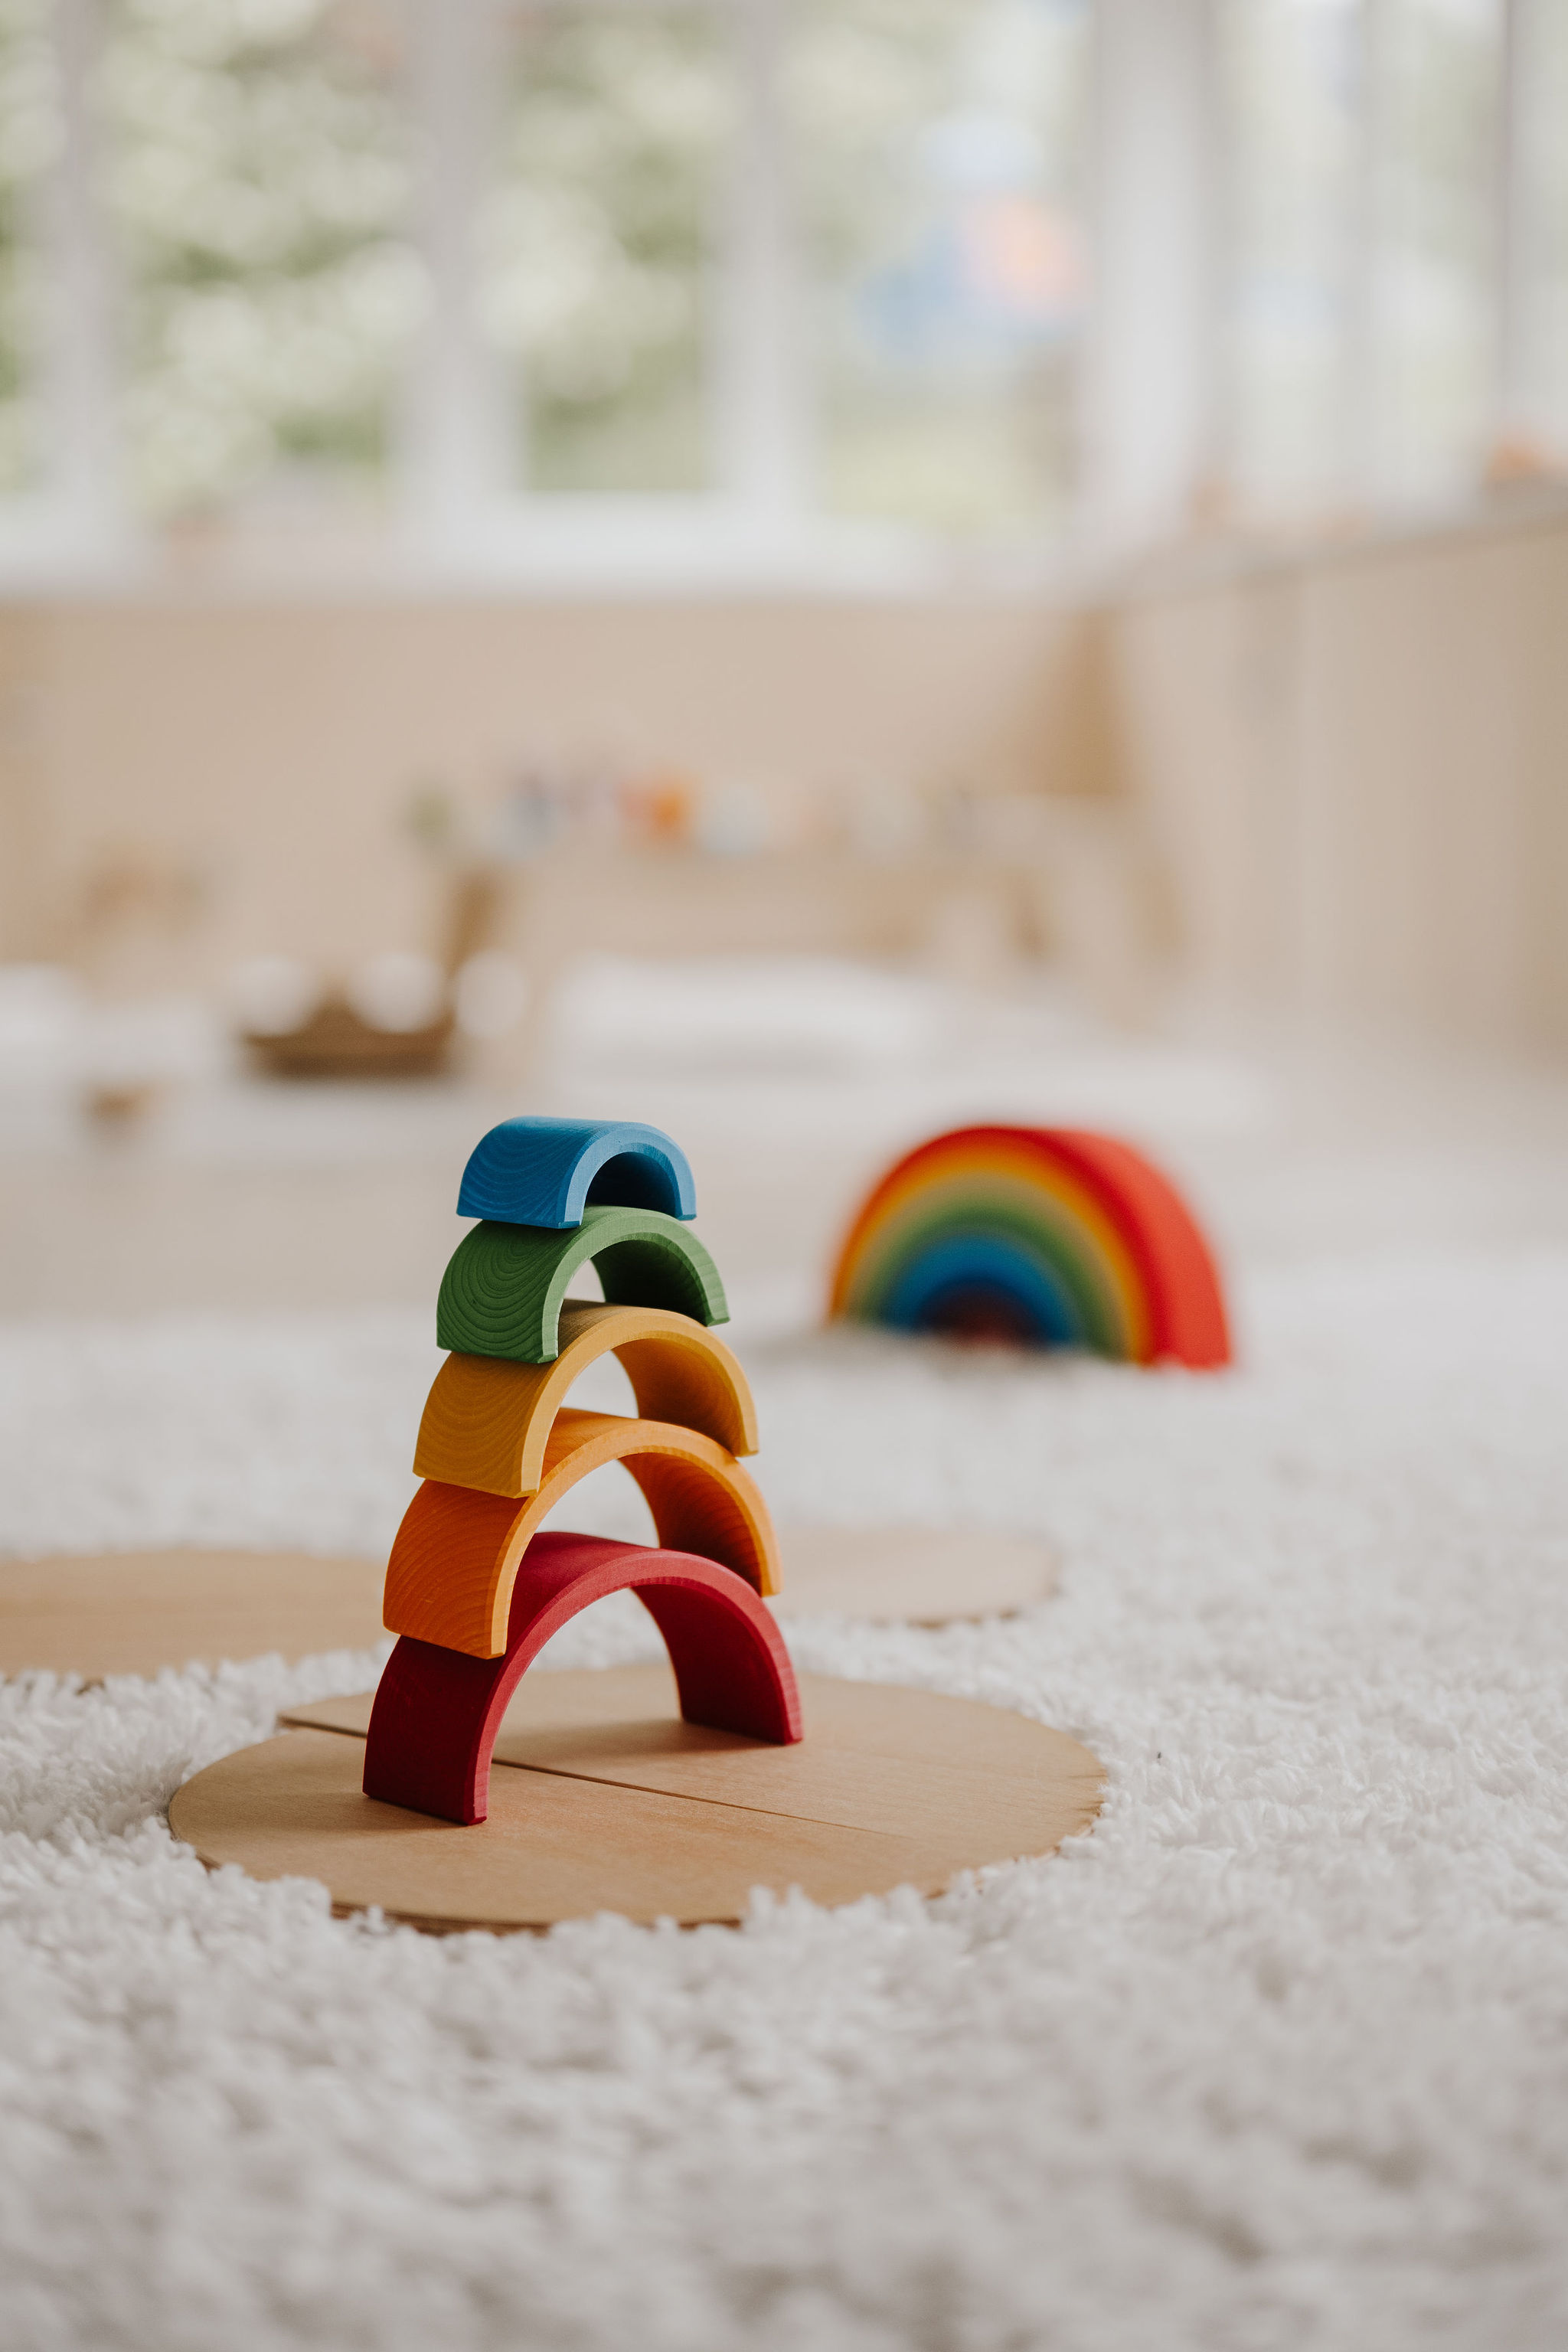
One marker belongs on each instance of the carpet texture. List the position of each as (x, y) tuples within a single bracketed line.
[(1277, 2057)]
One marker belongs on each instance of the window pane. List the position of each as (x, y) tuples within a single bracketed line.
[(598, 243), (258, 183), (1544, 228), (939, 148), (1292, 78), (1433, 306), (28, 134)]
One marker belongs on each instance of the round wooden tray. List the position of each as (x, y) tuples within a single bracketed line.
[(927, 1576), (134, 1613), (604, 1800)]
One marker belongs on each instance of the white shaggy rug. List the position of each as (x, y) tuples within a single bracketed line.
[(1277, 2057)]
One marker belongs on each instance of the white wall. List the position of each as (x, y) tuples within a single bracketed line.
[(1356, 764)]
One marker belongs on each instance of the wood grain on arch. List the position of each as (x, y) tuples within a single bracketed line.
[(456, 1556), (505, 1286), (488, 1418)]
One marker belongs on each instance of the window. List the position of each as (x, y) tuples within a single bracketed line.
[(29, 141), (600, 239), (819, 257), (1535, 360), (1292, 92), (1366, 176), (939, 151), (1435, 97), (804, 288), (257, 174)]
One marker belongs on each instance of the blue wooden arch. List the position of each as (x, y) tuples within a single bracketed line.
[(546, 1172)]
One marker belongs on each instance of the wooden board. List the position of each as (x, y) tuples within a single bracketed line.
[(928, 1576), (134, 1613), (613, 1803)]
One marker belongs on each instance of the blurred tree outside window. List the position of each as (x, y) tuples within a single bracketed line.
[(30, 135), (939, 151), (257, 170), (598, 243)]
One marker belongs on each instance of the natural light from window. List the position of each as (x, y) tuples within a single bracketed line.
[(485, 279)]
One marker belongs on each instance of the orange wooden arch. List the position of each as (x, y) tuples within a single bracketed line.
[(488, 1418), (455, 1560)]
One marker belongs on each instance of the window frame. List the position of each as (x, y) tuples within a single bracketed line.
[(1158, 237)]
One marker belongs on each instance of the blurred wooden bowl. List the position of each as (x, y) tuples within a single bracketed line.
[(337, 1043)]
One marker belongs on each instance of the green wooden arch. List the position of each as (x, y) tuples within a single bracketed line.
[(503, 1287)]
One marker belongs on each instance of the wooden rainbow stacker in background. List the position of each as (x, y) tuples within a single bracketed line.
[(473, 1588), (1051, 1237)]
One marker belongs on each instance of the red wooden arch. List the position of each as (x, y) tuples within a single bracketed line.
[(438, 1711)]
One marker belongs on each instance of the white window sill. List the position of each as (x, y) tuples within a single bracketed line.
[(567, 547)]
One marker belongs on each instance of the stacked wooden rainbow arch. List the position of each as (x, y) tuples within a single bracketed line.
[(1049, 1236), (474, 1589)]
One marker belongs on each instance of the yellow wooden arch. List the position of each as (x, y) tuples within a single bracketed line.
[(457, 1555), (487, 1420)]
